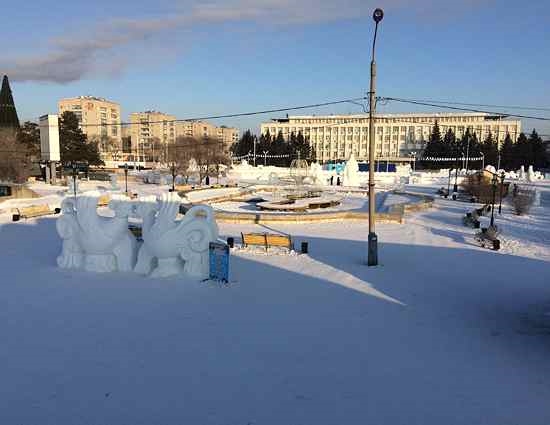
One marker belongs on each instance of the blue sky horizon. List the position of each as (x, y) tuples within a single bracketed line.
[(191, 58)]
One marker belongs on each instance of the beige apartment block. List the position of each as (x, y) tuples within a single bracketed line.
[(202, 129), (336, 137), (151, 133), (99, 118)]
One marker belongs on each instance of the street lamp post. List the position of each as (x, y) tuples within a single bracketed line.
[(126, 177), (265, 157), (501, 190), (173, 176), (482, 161), (74, 177), (378, 15), (493, 201)]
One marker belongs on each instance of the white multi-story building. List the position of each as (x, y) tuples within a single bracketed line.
[(336, 137)]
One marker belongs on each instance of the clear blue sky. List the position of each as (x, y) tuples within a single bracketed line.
[(191, 58)]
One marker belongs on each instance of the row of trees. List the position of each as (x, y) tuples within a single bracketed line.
[(280, 152), (190, 156), (525, 151), (20, 148)]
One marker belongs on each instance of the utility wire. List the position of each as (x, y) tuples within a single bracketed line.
[(485, 105), (456, 108), (241, 114)]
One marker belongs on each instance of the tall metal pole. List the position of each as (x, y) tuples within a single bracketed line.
[(126, 177), (254, 151), (501, 190), (493, 203), (373, 239)]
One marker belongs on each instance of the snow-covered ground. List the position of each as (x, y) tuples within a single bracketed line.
[(441, 332)]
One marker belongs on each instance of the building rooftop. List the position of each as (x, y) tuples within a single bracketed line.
[(400, 115)]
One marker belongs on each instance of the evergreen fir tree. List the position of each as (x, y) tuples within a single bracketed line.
[(8, 113), (538, 158), (507, 159), (244, 145), (73, 143), (489, 148), (434, 148), (522, 152)]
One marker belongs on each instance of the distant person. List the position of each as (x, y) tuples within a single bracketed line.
[(332, 180), (207, 181), (338, 181)]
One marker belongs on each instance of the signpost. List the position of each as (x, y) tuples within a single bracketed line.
[(219, 262)]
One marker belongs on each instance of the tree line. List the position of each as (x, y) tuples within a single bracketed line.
[(282, 151), (20, 148), (524, 151)]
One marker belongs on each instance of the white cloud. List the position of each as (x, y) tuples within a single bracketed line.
[(72, 57)]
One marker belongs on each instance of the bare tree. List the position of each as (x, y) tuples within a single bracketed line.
[(179, 156), (15, 158)]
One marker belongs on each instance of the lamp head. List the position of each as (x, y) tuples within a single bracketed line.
[(378, 15)]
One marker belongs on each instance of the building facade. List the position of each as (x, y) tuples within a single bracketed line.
[(202, 129), (397, 136), (99, 118), (151, 133)]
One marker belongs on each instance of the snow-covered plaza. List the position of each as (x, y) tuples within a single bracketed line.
[(442, 332)]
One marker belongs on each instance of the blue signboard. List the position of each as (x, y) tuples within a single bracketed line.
[(219, 261)]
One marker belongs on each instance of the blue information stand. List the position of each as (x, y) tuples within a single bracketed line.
[(219, 261)]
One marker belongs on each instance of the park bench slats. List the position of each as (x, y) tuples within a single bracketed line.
[(34, 211), (267, 240)]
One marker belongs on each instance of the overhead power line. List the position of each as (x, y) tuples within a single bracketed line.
[(237, 115), (483, 105), (456, 108)]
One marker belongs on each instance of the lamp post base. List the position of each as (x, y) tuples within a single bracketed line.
[(372, 250)]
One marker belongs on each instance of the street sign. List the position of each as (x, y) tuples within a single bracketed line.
[(219, 261)]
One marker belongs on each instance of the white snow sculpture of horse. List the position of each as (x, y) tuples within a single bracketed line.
[(105, 243), (72, 255), (172, 247)]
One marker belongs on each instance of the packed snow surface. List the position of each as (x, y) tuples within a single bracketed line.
[(442, 332)]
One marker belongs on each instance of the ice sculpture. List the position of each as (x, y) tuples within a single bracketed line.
[(316, 174), (351, 173), (114, 182), (172, 247), (92, 242), (531, 174), (521, 173)]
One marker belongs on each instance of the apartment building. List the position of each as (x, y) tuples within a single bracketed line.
[(98, 117), (336, 137), (151, 133), (201, 129)]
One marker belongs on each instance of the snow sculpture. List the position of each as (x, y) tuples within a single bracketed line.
[(92, 242), (490, 169), (351, 172), (114, 182), (531, 174), (316, 174), (521, 173), (72, 255), (171, 247), (72, 185)]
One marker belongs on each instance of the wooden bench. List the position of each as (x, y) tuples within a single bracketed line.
[(103, 201), (34, 211), (267, 240), (471, 219), (489, 237)]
